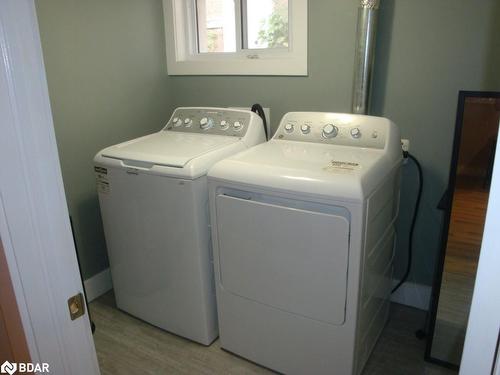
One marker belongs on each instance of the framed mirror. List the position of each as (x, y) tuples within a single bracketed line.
[(464, 204)]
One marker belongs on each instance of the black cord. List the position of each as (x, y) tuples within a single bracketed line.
[(413, 221), (257, 108)]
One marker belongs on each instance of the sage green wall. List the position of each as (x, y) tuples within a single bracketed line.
[(427, 51), (105, 63), (492, 77)]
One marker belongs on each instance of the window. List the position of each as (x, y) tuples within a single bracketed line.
[(236, 37), (216, 26)]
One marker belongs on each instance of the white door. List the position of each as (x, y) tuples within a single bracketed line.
[(483, 330), (34, 221)]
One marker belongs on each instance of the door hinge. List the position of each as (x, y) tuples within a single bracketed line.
[(76, 306)]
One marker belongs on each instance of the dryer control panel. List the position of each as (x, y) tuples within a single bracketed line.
[(334, 128), (215, 121)]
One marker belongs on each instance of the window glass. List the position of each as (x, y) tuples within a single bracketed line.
[(216, 26), (266, 24)]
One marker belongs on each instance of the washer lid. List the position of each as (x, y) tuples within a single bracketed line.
[(167, 148), (318, 169)]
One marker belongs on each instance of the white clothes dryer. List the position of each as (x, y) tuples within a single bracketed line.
[(303, 236), (154, 203)]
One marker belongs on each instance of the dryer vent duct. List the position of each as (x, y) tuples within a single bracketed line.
[(364, 55)]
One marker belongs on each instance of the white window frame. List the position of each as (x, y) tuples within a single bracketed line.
[(182, 50)]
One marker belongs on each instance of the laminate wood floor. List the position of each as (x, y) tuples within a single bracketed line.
[(126, 345)]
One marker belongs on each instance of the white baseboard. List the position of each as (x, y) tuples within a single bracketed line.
[(412, 294), (98, 284)]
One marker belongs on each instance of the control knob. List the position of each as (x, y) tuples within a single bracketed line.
[(305, 129), (237, 125), (206, 123), (188, 121), (330, 131), (355, 133), (224, 125), (289, 128), (177, 122)]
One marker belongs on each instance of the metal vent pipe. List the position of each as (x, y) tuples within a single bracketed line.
[(364, 55)]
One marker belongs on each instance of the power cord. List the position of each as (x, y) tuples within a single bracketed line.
[(257, 108), (407, 155)]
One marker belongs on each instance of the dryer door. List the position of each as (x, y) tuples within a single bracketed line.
[(290, 255)]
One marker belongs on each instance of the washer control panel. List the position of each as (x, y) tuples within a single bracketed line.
[(334, 128), (216, 121)]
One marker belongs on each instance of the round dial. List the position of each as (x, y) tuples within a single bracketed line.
[(305, 129), (177, 121), (355, 133), (224, 125), (330, 131), (237, 125), (188, 121), (289, 128), (206, 123)]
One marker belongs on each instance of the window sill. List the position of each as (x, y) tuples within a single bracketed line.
[(239, 66)]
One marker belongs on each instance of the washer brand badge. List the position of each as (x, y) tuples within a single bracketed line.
[(341, 166), (11, 368), (101, 176)]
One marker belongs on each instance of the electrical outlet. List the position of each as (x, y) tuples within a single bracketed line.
[(405, 145)]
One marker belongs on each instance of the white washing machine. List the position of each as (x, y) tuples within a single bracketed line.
[(154, 204), (303, 237)]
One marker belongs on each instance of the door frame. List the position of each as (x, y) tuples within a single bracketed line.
[(483, 328), (34, 220)]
